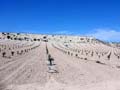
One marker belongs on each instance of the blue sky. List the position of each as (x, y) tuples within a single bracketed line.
[(99, 18)]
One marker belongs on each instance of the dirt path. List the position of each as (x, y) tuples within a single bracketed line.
[(28, 69)]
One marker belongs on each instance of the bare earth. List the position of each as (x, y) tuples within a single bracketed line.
[(95, 67)]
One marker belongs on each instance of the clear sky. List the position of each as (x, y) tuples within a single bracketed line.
[(99, 18)]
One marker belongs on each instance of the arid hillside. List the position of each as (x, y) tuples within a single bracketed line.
[(57, 62)]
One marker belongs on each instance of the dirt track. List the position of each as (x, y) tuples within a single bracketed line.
[(29, 68)]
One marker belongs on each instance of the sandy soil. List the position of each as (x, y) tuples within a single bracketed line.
[(30, 70)]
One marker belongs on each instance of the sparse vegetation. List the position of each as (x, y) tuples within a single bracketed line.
[(62, 57)]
